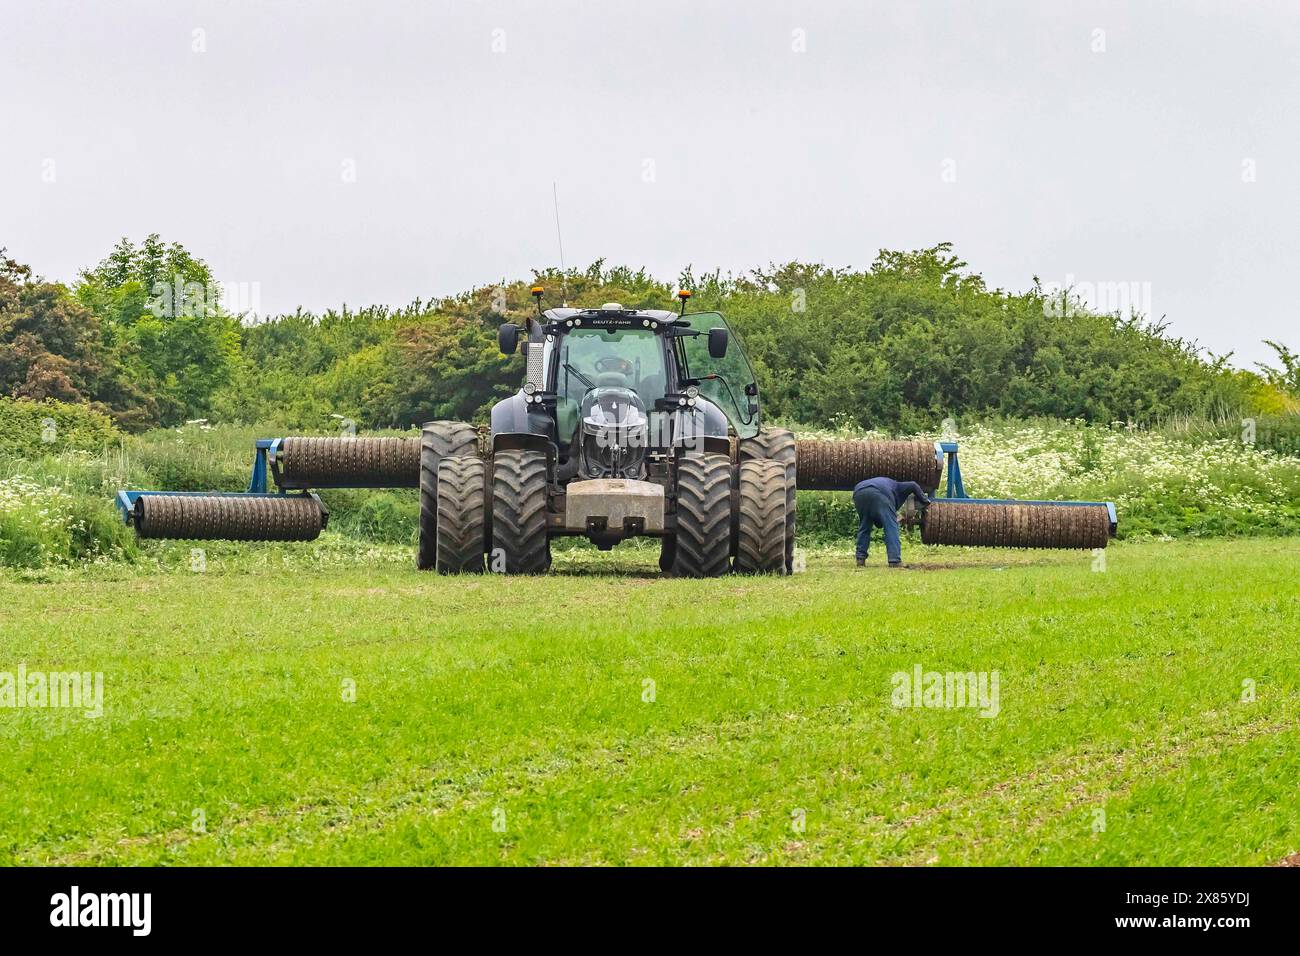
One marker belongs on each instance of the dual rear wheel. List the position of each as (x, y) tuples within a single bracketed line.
[(469, 506), (778, 444), (439, 442), (728, 518)]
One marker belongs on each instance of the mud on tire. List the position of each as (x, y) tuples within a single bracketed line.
[(519, 541), (439, 440), (461, 496), (761, 518), (703, 517)]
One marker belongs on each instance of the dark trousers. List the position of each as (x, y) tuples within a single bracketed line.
[(876, 510)]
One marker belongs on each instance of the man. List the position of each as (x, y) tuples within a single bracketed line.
[(878, 501)]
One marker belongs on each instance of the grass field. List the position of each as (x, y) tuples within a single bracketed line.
[(511, 720)]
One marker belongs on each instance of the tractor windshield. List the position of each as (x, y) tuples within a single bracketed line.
[(622, 358)]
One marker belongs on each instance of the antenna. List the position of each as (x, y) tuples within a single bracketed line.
[(559, 238)]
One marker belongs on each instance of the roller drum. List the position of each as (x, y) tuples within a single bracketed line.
[(1016, 525), (350, 462), (229, 517), (831, 465)]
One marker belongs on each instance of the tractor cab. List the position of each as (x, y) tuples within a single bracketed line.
[(614, 389)]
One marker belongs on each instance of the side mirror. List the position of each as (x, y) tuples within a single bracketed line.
[(717, 343), (508, 338)]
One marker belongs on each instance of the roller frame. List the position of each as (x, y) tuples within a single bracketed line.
[(263, 464)]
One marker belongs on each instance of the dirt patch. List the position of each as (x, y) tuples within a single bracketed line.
[(1292, 860), (966, 565)]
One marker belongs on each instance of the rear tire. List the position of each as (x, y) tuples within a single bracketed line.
[(461, 509), (779, 445), (439, 440), (703, 541), (519, 541), (760, 541)]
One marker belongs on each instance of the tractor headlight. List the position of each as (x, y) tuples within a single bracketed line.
[(529, 388), (693, 391)]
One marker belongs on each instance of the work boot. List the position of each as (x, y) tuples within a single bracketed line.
[(897, 566), (860, 562)]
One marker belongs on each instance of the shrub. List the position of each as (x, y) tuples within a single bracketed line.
[(34, 429), (44, 524)]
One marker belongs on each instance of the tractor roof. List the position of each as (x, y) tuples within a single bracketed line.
[(614, 310)]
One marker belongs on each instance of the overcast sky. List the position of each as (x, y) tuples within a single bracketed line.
[(334, 152)]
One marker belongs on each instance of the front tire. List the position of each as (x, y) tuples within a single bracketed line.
[(779, 445), (438, 440), (760, 518), (461, 510), (703, 517), (519, 541)]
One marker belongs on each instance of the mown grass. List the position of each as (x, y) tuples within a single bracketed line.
[(523, 702)]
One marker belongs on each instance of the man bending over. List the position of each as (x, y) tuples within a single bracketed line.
[(878, 501)]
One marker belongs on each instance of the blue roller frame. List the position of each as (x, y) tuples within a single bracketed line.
[(957, 490)]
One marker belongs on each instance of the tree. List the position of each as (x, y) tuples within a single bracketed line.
[(1286, 378), (161, 314), (51, 347)]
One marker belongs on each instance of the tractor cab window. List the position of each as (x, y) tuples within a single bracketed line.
[(625, 358), (725, 381), (595, 358)]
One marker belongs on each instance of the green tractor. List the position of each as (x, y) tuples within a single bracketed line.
[(629, 422)]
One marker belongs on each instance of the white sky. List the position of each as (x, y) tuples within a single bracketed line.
[(1122, 166)]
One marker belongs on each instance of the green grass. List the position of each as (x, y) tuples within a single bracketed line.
[(1119, 691)]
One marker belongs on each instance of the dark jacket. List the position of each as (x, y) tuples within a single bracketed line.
[(895, 491)]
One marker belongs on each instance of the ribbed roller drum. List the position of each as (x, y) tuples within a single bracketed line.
[(831, 465), (229, 517), (1016, 525), (350, 462)]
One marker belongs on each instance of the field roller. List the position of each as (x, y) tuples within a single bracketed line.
[(629, 423), (839, 465), (292, 513), (833, 465), (253, 515), (347, 463), (1009, 523), (1016, 524), (230, 517)]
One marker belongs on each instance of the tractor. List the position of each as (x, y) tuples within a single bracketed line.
[(629, 422)]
